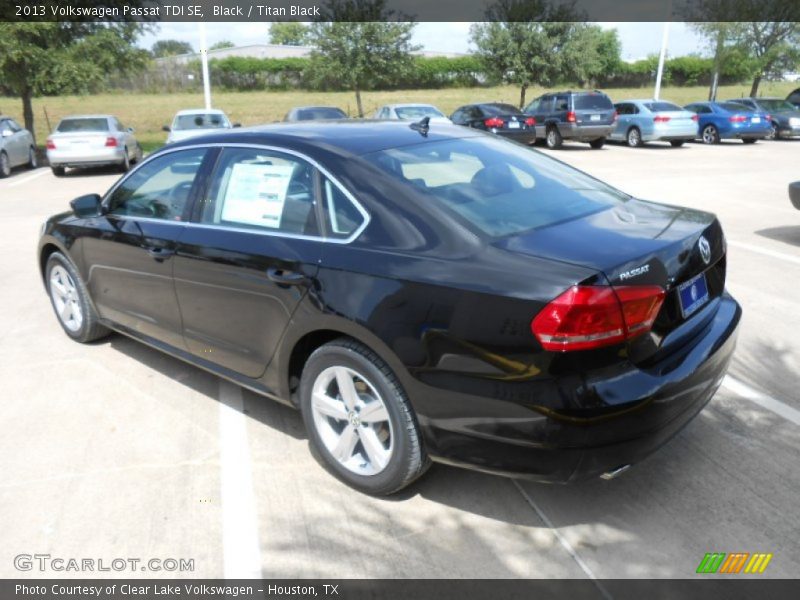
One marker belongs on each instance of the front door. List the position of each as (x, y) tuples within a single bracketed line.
[(130, 256)]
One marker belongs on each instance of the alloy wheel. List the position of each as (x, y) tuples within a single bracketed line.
[(634, 138), (710, 135), (65, 298), (352, 420)]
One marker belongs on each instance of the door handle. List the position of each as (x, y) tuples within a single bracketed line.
[(284, 277), (158, 253)]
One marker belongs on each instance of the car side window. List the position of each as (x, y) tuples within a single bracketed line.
[(562, 103), (160, 188), (342, 217), (262, 189), (705, 110), (623, 109)]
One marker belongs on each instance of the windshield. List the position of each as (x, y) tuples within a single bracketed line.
[(311, 114), (74, 125), (499, 187), (201, 121), (416, 112), (776, 105), (662, 106), (592, 101)]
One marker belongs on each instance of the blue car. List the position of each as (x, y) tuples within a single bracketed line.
[(643, 121), (728, 120)]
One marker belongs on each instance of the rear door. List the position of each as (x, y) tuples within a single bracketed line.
[(129, 251), (249, 257), (625, 110)]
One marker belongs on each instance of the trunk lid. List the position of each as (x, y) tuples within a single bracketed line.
[(80, 140), (639, 243)]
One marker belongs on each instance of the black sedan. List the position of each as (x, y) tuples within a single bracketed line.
[(504, 120), (418, 293), (784, 117)]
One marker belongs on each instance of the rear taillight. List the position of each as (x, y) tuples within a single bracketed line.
[(695, 118), (51, 145), (587, 317), (530, 121), (737, 119), (494, 123), (571, 118), (111, 142), (661, 119)]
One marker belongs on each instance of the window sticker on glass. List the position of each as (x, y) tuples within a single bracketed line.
[(256, 194)]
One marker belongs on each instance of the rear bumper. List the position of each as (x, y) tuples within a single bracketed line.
[(668, 135), (582, 425), (95, 158), (584, 133), (789, 132), (523, 136)]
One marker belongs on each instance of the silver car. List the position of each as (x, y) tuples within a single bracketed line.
[(643, 121), (411, 112), (16, 146), (92, 141)]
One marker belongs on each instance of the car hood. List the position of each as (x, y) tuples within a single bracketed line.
[(635, 242)]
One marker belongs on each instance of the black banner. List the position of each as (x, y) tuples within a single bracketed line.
[(705, 587), (416, 10)]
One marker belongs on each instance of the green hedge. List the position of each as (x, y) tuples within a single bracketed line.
[(681, 71)]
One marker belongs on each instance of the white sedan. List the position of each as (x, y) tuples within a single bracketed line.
[(92, 141), (411, 112), (194, 122)]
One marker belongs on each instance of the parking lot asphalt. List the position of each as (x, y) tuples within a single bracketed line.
[(114, 450)]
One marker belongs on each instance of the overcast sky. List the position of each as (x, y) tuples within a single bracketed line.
[(638, 39)]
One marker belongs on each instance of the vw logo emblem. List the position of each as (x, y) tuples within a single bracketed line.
[(705, 249)]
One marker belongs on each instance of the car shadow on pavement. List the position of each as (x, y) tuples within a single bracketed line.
[(93, 172), (789, 234)]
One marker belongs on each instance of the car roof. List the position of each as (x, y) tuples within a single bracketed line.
[(88, 117), (353, 136), (409, 104), (199, 111)]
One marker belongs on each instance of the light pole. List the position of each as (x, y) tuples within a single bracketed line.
[(661, 57), (204, 62)]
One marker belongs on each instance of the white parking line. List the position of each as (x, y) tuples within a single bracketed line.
[(563, 541), (745, 391), (31, 177), (766, 252), (240, 546)]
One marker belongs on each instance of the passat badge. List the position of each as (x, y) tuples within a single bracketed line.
[(705, 249)]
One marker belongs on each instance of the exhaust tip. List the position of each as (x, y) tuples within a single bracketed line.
[(614, 473)]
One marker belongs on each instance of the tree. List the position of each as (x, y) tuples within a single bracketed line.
[(54, 58), (288, 33), (222, 44), (163, 48), (767, 30), (357, 44), (527, 42), (592, 53)]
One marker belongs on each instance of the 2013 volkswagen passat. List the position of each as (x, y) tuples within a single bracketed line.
[(419, 293)]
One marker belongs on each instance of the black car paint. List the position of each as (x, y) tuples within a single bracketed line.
[(447, 309), (475, 115)]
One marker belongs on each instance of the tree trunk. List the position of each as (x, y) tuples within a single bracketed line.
[(754, 88), (358, 104), (712, 90), (522, 91), (27, 111)]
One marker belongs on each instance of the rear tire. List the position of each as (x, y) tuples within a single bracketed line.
[(58, 171), (70, 300), (33, 162), (710, 135), (368, 436), (552, 138), (5, 165), (598, 143), (677, 143), (125, 166)]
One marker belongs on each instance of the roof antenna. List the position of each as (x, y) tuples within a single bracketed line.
[(423, 125)]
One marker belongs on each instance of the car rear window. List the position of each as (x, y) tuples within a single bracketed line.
[(416, 112), (592, 101), (498, 187), (201, 121), (662, 106), (74, 125), (493, 110), (310, 114)]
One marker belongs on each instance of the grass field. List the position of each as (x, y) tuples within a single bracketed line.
[(148, 113)]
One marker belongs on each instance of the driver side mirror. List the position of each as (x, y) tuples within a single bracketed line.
[(166, 128), (87, 206)]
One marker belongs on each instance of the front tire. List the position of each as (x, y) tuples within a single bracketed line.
[(70, 301), (5, 165), (359, 420), (553, 138), (710, 135)]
